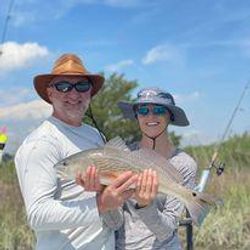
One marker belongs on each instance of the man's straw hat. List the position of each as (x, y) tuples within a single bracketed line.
[(66, 65)]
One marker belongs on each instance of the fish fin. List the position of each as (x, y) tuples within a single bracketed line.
[(157, 162), (117, 143), (200, 205)]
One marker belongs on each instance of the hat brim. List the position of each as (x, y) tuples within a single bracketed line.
[(41, 82), (180, 118)]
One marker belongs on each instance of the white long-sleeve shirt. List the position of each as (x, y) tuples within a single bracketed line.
[(61, 213)]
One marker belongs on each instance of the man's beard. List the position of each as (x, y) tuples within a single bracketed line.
[(78, 113), (70, 112)]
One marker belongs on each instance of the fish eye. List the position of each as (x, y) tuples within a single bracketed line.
[(65, 163)]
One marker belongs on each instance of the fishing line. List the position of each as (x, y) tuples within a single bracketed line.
[(236, 109), (234, 112), (220, 167), (91, 116), (5, 27)]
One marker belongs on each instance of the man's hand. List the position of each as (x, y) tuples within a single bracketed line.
[(114, 195), (147, 188), (90, 180)]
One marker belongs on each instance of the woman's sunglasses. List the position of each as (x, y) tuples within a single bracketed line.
[(156, 110), (65, 86)]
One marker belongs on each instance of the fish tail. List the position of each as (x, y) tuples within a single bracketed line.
[(199, 206)]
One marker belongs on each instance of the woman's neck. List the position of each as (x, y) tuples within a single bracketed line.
[(163, 145)]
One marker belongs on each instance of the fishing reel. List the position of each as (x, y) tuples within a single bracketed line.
[(220, 166)]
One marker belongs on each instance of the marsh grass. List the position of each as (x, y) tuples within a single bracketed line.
[(14, 231), (225, 227)]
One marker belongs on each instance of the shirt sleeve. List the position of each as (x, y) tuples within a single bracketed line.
[(38, 183), (163, 222), (113, 219), (189, 171)]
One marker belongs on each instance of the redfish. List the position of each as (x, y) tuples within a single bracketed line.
[(115, 158)]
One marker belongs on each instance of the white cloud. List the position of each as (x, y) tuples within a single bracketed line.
[(31, 110), (181, 98), (194, 137), (119, 66), (14, 55), (167, 52), (21, 119), (9, 98)]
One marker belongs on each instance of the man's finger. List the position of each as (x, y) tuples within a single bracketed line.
[(122, 178), (87, 176), (127, 184), (97, 178), (127, 194), (92, 173)]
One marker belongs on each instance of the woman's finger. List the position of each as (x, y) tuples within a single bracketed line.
[(144, 182), (148, 189), (155, 184)]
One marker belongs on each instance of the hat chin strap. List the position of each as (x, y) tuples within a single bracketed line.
[(155, 137)]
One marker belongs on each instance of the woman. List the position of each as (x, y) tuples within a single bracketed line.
[(151, 219)]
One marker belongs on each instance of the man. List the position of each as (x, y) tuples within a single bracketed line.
[(63, 215)]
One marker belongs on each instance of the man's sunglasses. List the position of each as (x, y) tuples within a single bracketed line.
[(156, 110), (65, 86)]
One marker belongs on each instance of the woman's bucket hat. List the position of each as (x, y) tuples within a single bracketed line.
[(155, 96)]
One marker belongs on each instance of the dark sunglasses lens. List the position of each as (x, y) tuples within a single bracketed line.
[(63, 86), (82, 86), (143, 110), (159, 110)]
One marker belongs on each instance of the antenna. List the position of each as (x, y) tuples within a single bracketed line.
[(232, 116), (5, 27)]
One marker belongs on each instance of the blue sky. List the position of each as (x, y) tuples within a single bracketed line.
[(197, 50)]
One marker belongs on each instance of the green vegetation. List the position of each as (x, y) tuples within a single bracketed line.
[(226, 227), (14, 232)]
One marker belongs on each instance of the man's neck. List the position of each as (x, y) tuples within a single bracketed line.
[(70, 121)]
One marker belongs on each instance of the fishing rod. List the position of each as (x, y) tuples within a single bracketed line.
[(212, 164), (206, 172), (5, 27)]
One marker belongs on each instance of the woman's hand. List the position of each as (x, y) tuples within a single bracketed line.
[(147, 188)]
